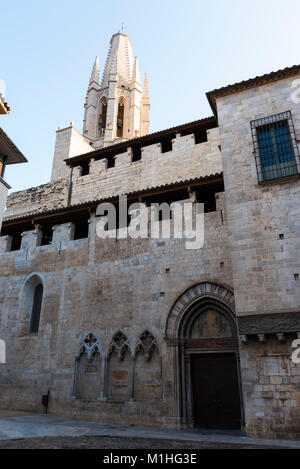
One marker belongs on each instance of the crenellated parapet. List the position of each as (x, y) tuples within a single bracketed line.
[(184, 161), (132, 168)]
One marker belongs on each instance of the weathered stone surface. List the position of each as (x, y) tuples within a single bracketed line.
[(125, 299)]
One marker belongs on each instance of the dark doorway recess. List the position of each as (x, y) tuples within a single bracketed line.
[(215, 391)]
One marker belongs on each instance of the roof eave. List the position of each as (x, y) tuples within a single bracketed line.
[(10, 150)]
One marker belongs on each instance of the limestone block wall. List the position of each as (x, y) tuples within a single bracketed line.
[(104, 286), (271, 389), (69, 142), (31, 239), (41, 198), (264, 265)]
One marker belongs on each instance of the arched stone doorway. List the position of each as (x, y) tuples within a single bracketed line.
[(201, 329)]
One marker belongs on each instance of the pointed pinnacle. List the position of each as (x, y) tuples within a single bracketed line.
[(95, 72), (136, 76), (146, 87)]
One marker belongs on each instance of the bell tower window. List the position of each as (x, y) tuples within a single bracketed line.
[(102, 120), (120, 120)]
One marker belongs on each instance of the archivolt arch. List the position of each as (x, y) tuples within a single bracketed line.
[(146, 344), (120, 345), (209, 293), (87, 373)]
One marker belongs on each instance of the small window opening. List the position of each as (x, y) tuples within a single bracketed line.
[(102, 120), (81, 229), (207, 196), (136, 153), (47, 234), (36, 309), (16, 242), (111, 162), (120, 120), (85, 168), (200, 136), (166, 145)]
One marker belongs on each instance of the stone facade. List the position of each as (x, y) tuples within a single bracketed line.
[(263, 225), (123, 322)]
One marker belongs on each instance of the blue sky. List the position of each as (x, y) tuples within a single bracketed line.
[(187, 48)]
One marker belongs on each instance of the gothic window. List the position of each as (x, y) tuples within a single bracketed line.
[(88, 368), (120, 119), (31, 301), (211, 324), (275, 146), (119, 369), (147, 369), (102, 120), (90, 345), (36, 309)]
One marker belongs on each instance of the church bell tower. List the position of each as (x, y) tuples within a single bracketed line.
[(117, 109)]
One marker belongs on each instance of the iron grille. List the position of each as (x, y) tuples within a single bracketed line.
[(275, 147)]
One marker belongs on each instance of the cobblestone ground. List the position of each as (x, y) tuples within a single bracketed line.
[(103, 442)]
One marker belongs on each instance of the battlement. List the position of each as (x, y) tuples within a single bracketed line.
[(64, 236), (97, 178)]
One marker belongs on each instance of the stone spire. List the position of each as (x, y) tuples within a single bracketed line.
[(136, 76), (94, 81), (146, 87), (145, 119), (121, 48), (116, 110), (90, 106)]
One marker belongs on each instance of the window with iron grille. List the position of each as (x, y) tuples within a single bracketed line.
[(275, 147)]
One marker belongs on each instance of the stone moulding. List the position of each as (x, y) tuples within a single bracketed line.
[(195, 293), (280, 323), (89, 344)]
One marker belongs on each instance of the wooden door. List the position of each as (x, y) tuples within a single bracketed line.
[(216, 396)]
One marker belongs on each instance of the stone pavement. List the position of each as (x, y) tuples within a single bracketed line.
[(41, 425)]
